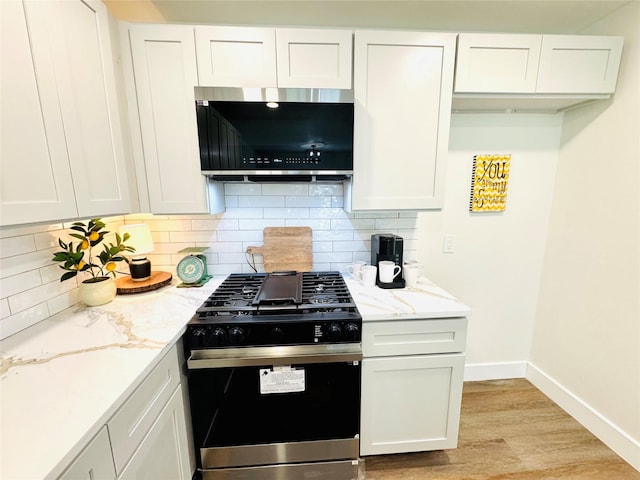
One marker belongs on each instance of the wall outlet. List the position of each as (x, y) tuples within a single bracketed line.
[(449, 244)]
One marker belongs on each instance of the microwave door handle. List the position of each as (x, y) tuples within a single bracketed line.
[(274, 356)]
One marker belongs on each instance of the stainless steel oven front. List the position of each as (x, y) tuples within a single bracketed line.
[(276, 412)]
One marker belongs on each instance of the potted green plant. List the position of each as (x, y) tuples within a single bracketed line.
[(81, 256)]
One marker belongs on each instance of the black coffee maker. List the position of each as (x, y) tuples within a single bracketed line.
[(387, 246)]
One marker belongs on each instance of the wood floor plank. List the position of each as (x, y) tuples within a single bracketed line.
[(509, 430)]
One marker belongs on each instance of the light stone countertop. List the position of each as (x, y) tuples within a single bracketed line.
[(63, 378)]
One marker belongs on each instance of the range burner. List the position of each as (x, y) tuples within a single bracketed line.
[(277, 309)]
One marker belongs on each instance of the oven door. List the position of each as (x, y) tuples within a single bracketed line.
[(275, 412)]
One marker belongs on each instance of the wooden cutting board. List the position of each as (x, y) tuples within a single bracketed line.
[(286, 248)]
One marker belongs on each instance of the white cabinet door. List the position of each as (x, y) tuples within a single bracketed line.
[(236, 56), (489, 63), (403, 83), (314, 58), (62, 150), (579, 64), (164, 65), (35, 175), (87, 92), (411, 403), (94, 462), (164, 452)]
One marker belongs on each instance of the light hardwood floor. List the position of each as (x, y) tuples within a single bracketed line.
[(509, 430)]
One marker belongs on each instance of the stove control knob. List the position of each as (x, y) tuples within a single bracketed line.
[(198, 337), (236, 336), (352, 332), (218, 338), (334, 332), (277, 335)]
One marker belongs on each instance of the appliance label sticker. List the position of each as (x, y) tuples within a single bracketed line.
[(281, 380)]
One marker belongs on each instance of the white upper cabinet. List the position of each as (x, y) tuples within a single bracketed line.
[(402, 87), (236, 56), (314, 58), (579, 64), (257, 57), (62, 154), (537, 64), (164, 66), (497, 63)]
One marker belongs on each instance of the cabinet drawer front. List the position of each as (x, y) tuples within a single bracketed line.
[(94, 462), (131, 423), (414, 337)]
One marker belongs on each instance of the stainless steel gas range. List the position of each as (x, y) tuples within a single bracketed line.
[(274, 378)]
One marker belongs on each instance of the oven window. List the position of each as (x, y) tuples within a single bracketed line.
[(238, 414)]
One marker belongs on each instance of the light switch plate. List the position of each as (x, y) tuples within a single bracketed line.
[(449, 244)]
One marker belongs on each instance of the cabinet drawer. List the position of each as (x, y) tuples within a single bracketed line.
[(414, 337), (94, 462), (131, 423)]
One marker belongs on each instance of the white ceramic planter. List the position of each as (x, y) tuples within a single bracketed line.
[(93, 294)]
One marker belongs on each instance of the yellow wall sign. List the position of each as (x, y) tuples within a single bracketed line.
[(489, 183)]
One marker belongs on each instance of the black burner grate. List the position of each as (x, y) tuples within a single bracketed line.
[(321, 292)]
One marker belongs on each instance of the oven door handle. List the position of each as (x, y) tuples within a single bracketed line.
[(274, 355)]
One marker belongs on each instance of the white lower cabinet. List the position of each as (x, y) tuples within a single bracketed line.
[(163, 453), (95, 461), (411, 393), (148, 437)]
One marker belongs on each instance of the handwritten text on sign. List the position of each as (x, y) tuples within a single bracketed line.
[(489, 183)]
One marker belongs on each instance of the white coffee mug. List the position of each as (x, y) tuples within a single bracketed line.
[(412, 273), (355, 269), (368, 273), (388, 270)]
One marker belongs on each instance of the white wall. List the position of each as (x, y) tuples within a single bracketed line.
[(497, 261), (586, 342)]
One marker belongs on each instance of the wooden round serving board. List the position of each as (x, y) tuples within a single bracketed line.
[(158, 279)]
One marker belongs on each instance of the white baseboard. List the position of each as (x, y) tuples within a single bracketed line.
[(494, 371), (609, 433)]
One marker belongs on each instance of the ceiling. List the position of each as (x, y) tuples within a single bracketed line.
[(526, 16)]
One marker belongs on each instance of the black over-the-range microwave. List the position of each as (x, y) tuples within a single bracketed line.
[(275, 134)]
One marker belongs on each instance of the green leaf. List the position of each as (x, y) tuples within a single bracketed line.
[(79, 228), (77, 235), (68, 275)]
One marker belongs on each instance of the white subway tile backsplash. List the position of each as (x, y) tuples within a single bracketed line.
[(192, 237), (243, 213), (315, 202), (62, 302), (12, 246), (395, 223), (294, 189), (240, 236), (37, 295), (327, 213), (27, 230), (23, 263), (261, 201), (30, 287), (326, 190), (24, 319), (5, 311), (286, 213), (260, 224), (19, 283), (333, 235), (242, 189)]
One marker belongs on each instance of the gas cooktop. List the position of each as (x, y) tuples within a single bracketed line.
[(277, 308)]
